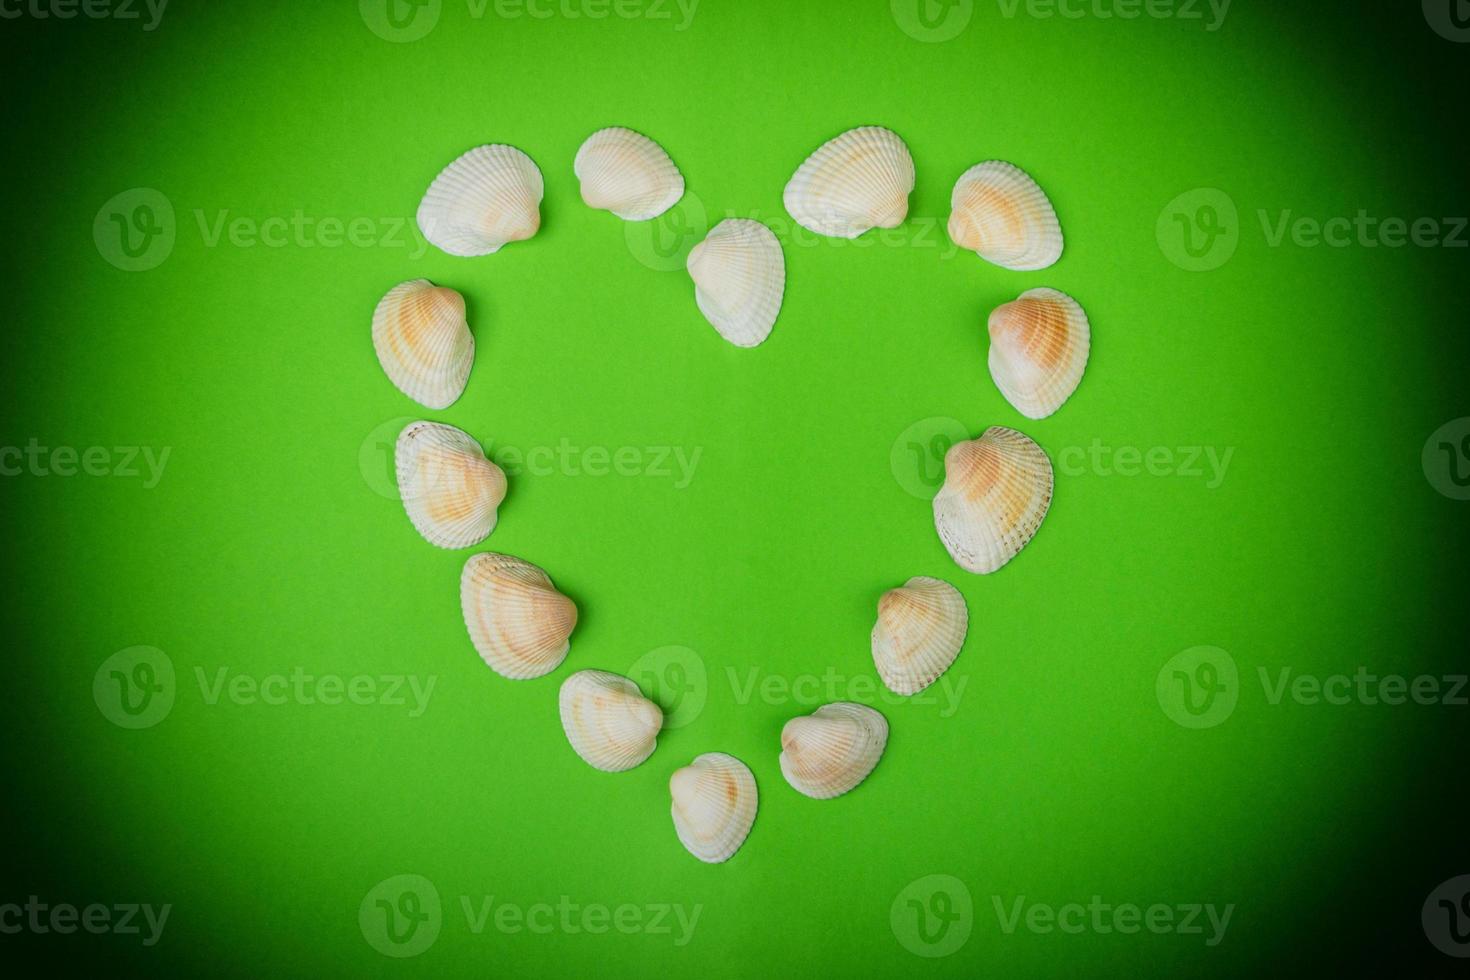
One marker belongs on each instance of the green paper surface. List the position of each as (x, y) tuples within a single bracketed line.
[(1254, 463)]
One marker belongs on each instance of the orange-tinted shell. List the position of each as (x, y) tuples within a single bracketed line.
[(423, 342), (714, 806), (832, 750), (1039, 345), (920, 630), (1001, 214), (520, 625), (451, 492), (608, 721), (996, 492), (628, 174)]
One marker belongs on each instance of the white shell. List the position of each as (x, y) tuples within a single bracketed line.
[(739, 278), (423, 342), (628, 174), (1038, 350), (996, 492), (920, 630), (1001, 214), (609, 722), (487, 198), (860, 180), (520, 625), (830, 751), (714, 807), (450, 490)]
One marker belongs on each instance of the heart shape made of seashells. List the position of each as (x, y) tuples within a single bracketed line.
[(996, 491)]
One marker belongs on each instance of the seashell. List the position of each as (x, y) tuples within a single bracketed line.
[(518, 622), (1000, 213), (920, 630), (1038, 350), (450, 490), (828, 752), (423, 342), (487, 198), (628, 174), (739, 278), (609, 722), (715, 801), (996, 492), (860, 180)]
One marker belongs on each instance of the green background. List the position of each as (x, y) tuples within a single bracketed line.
[(268, 547)]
